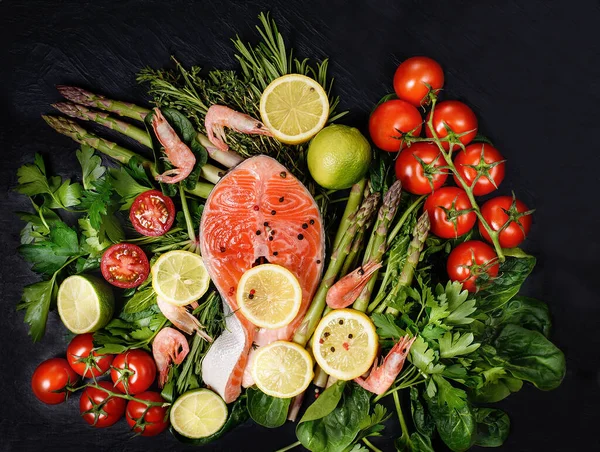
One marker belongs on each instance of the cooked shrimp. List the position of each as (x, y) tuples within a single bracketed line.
[(178, 153), (169, 346), (218, 117), (182, 319), (344, 292), (381, 377)]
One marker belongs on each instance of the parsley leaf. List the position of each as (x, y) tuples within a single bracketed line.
[(126, 186), (386, 326), (91, 166), (460, 308), (448, 394), (97, 201), (37, 299), (457, 344)]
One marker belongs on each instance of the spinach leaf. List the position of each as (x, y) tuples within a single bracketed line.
[(493, 427), (326, 402), (494, 391), (266, 410), (421, 417), (417, 442), (523, 311)]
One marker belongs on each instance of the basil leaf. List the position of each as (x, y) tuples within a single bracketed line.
[(266, 410)]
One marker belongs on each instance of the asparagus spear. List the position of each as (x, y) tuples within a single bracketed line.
[(354, 200), (85, 114), (227, 158), (89, 99)]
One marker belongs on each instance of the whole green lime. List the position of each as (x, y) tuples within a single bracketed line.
[(338, 157)]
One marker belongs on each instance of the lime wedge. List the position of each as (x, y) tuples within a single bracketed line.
[(198, 413), (85, 303)]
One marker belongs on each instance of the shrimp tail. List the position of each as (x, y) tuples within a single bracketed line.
[(169, 346), (344, 292), (182, 319)]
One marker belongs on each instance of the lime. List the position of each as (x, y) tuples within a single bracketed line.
[(180, 277), (338, 157), (198, 413), (85, 303)]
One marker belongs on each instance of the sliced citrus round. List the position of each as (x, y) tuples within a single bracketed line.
[(282, 369), (179, 277), (198, 413), (269, 296), (345, 343), (294, 108), (85, 303)]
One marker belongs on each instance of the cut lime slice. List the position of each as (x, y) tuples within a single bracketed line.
[(85, 303), (180, 277), (198, 413)]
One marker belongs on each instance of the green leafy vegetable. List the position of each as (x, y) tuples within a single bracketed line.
[(387, 328), (37, 299), (493, 427), (523, 311), (326, 402), (142, 300), (91, 166), (457, 344), (266, 410)]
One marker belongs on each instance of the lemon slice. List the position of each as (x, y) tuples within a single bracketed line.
[(294, 108), (345, 343), (282, 369), (85, 303), (269, 296), (198, 413), (179, 277)]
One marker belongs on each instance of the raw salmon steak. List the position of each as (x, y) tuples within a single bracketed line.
[(259, 212)]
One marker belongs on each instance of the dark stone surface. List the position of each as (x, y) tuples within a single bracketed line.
[(528, 69)]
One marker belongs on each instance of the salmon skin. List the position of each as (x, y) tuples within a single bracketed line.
[(257, 213)]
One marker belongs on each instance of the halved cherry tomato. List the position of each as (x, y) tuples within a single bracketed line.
[(499, 211), (51, 379), (147, 421), (84, 360), (485, 159), (412, 76), (449, 212), (458, 117), (100, 409), (133, 372), (152, 213), (418, 168), (390, 120), (469, 260), (125, 265)]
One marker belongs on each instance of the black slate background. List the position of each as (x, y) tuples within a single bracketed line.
[(528, 68)]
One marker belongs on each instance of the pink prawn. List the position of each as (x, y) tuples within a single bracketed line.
[(182, 319), (178, 153), (381, 377), (218, 117), (169, 346), (344, 292)]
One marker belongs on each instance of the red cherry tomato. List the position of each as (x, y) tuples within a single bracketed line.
[(469, 260), (412, 76), (498, 211), (451, 222), (458, 117), (485, 157), (125, 265), (100, 409), (417, 178), (152, 213), (154, 421), (84, 360), (133, 372), (391, 117), (50, 380)]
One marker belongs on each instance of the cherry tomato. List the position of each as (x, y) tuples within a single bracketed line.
[(458, 117), (391, 117), (486, 159), (469, 260), (125, 265), (84, 360), (448, 210), (133, 372), (499, 211), (411, 77), (418, 168), (152, 213), (154, 421), (50, 380), (100, 409)]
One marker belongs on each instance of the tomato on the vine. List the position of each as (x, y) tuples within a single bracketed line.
[(147, 421), (52, 379), (125, 265), (152, 213), (483, 160), (469, 261), (450, 213), (509, 216), (100, 409), (418, 168), (390, 121), (84, 360), (456, 116), (412, 77), (133, 371)]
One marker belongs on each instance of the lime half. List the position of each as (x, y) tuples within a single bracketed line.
[(85, 303), (198, 413)]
